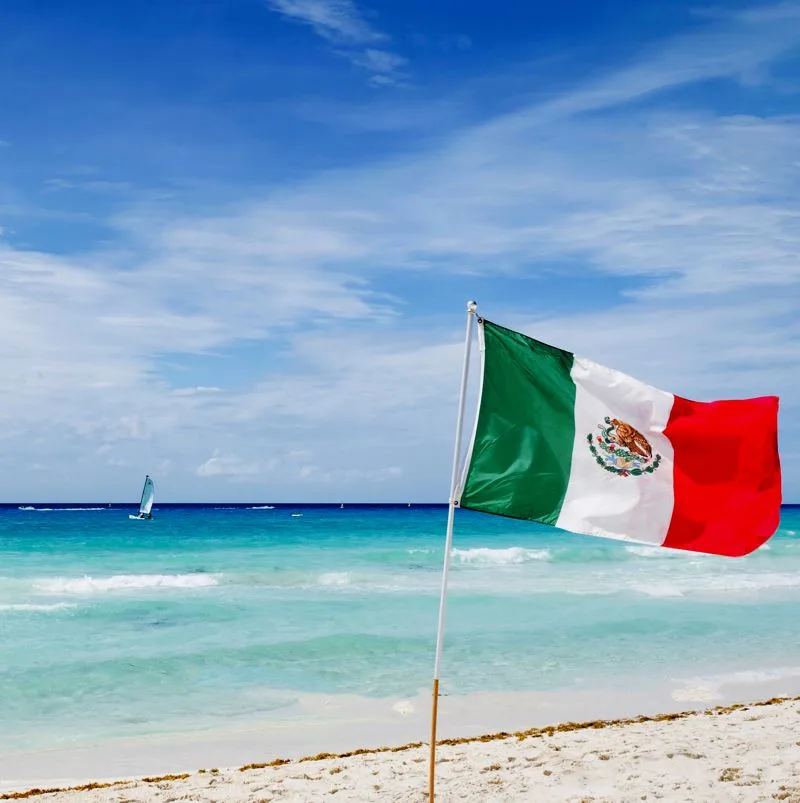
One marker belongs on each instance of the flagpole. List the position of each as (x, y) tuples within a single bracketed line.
[(451, 514)]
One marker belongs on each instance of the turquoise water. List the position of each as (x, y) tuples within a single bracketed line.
[(209, 615)]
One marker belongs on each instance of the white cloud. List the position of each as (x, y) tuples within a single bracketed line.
[(343, 24), (117, 462), (384, 65), (335, 20), (736, 47), (229, 466), (98, 186), (692, 214), (253, 470), (358, 475), (349, 476), (200, 389)]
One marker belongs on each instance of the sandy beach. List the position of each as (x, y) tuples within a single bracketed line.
[(743, 752)]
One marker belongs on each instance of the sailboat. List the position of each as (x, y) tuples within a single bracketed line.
[(146, 503)]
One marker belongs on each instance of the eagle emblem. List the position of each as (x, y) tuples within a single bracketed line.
[(622, 450)]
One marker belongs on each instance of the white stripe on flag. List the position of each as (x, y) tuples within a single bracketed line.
[(597, 501)]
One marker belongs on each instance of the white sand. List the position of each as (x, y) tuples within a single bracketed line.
[(739, 753)]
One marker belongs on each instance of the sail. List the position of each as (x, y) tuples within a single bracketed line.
[(147, 497)]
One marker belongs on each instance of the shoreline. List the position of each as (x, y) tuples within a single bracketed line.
[(337, 724), (566, 729)]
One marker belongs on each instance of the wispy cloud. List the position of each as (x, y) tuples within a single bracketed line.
[(735, 47), (349, 476), (692, 214), (344, 25), (706, 201), (338, 21), (230, 466), (98, 186), (385, 66)]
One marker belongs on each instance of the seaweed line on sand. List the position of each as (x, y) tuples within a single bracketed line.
[(531, 733)]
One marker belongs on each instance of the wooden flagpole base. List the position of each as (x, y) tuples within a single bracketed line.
[(432, 768)]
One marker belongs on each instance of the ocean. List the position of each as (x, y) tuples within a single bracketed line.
[(215, 616)]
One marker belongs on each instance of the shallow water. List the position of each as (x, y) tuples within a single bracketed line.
[(210, 616)]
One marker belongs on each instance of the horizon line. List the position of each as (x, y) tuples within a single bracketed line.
[(258, 502)]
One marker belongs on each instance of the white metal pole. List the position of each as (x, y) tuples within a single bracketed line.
[(471, 308)]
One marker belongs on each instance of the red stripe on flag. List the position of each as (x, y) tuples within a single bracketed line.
[(727, 477)]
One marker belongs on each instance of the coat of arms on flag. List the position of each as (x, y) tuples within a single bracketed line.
[(622, 450), (562, 440)]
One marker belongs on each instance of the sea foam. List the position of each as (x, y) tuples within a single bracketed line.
[(644, 551), (723, 583), (58, 509), (123, 582), (699, 689), (334, 579), (499, 557)]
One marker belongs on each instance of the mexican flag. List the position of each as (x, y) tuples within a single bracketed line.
[(562, 440)]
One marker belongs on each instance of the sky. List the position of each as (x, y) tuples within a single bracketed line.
[(237, 237)]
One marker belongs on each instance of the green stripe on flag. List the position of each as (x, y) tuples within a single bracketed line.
[(522, 451)]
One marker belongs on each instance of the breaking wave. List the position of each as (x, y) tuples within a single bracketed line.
[(708, 584), (658, 552), (334, 579), (701, 689), (499, 557), (58, 509), (123, 582), (27, 606)]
